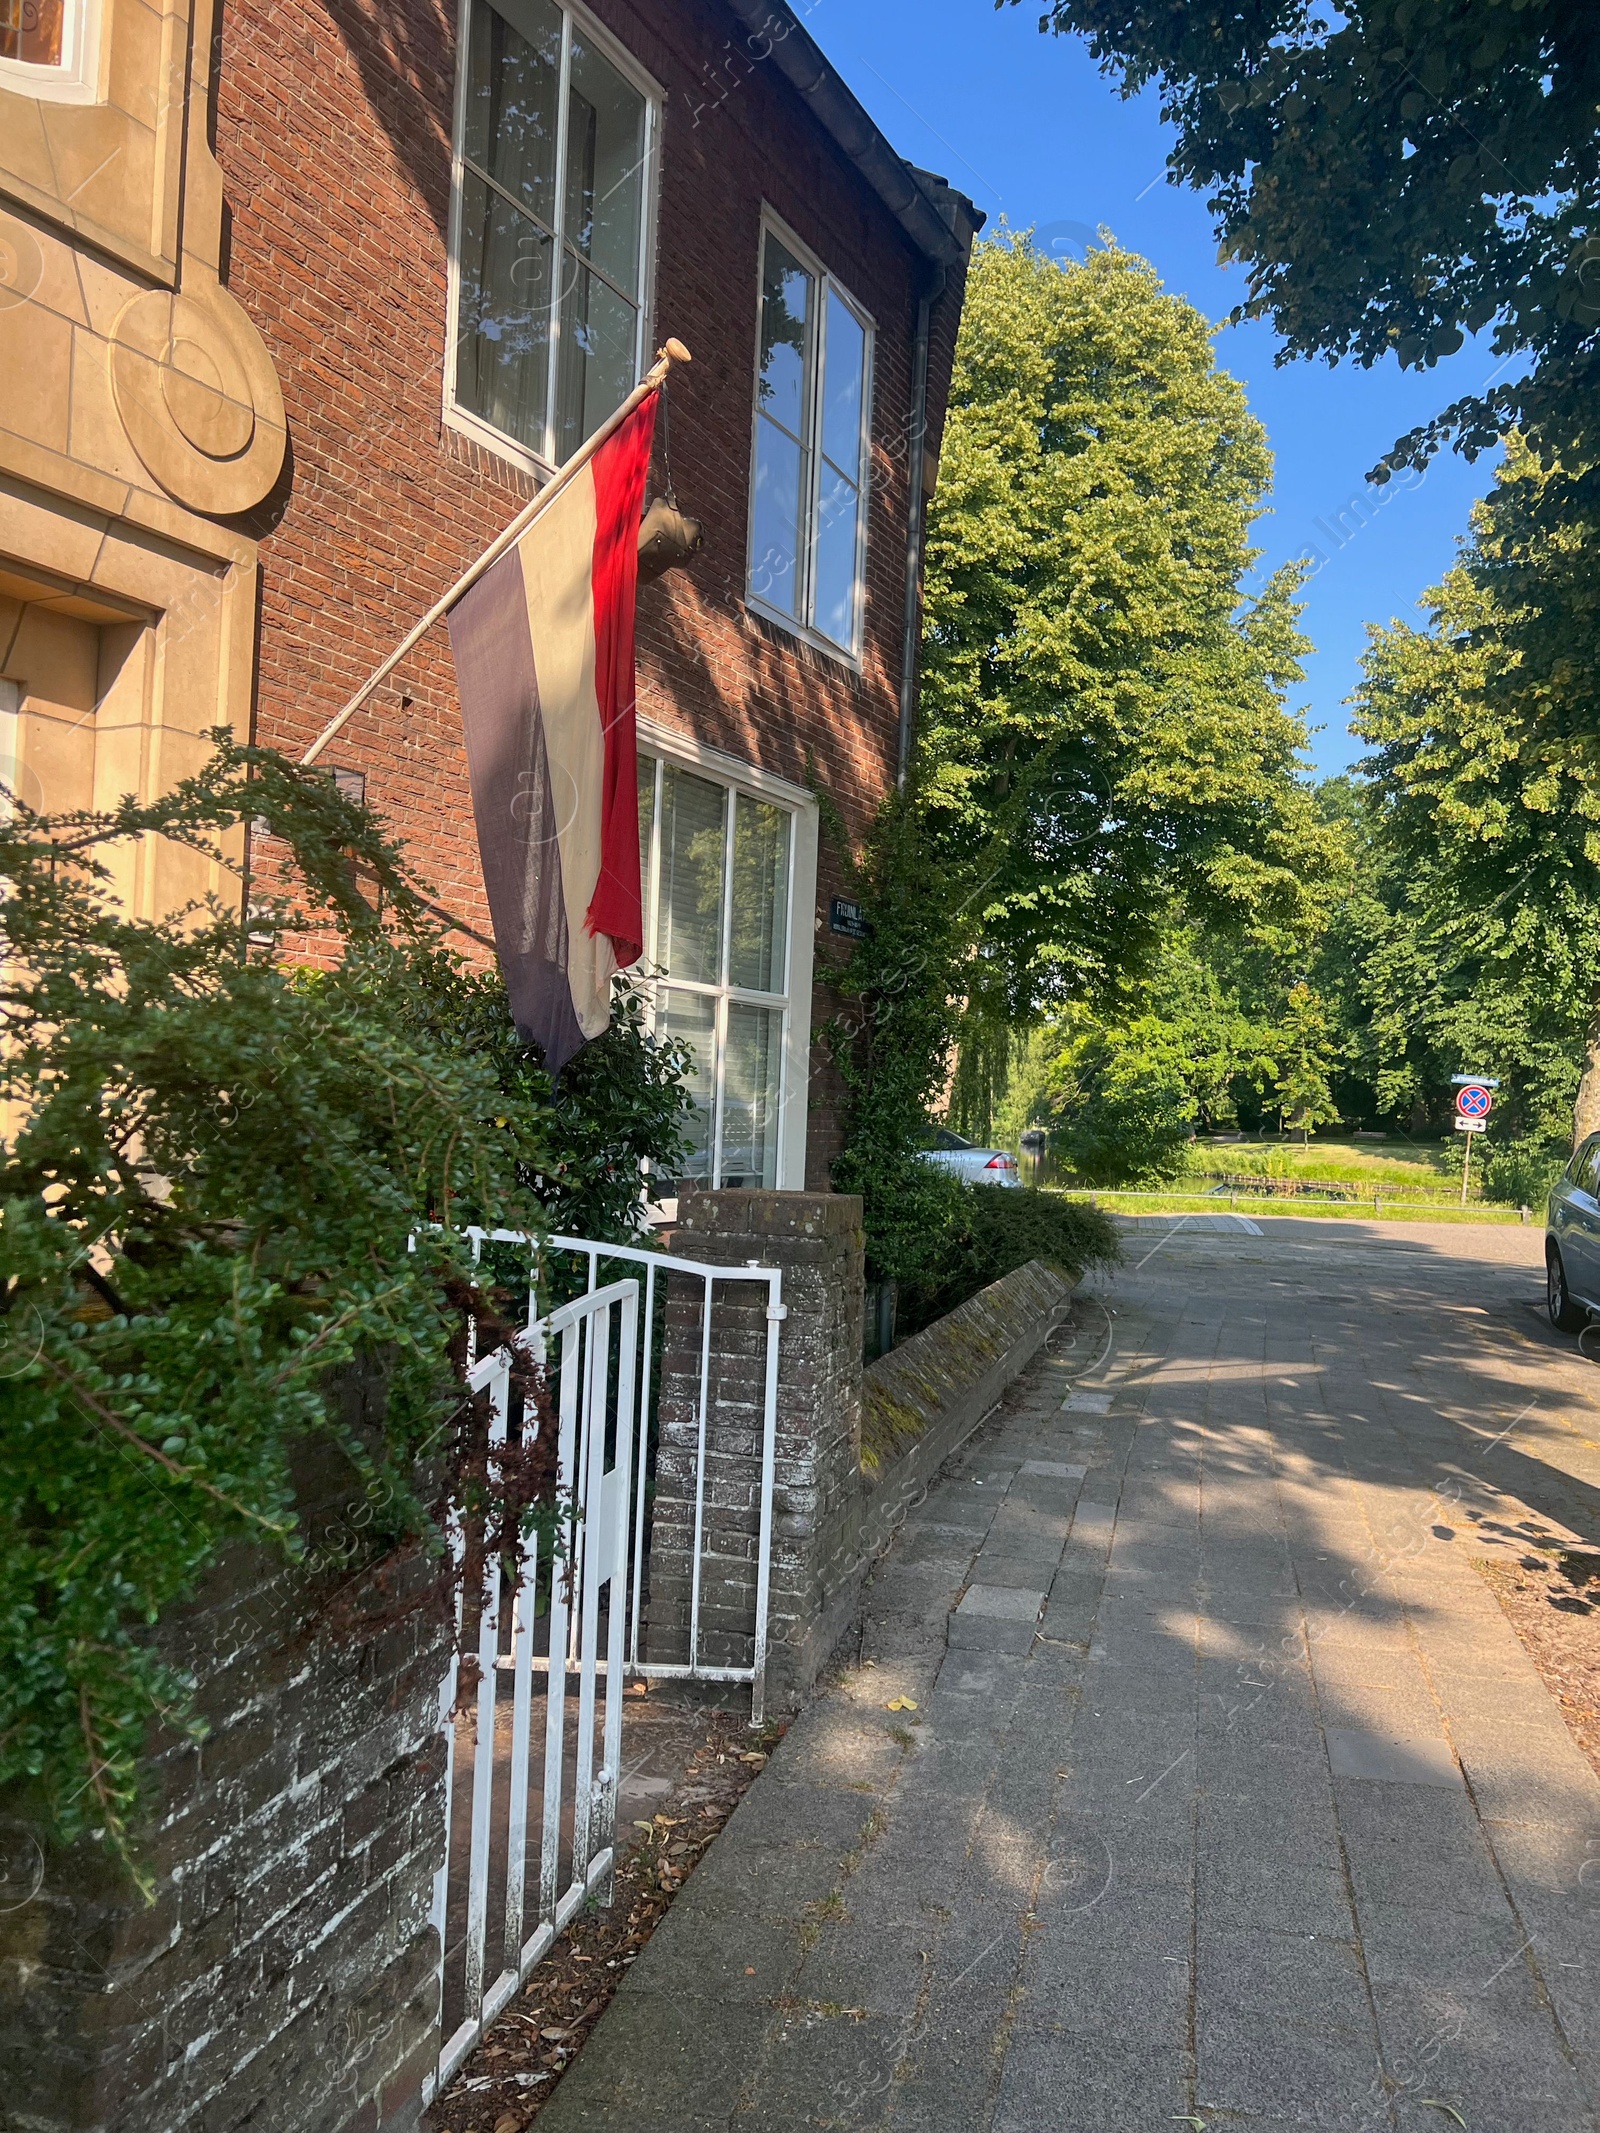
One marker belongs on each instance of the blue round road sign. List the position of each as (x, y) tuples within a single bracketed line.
[(1473, 1102)]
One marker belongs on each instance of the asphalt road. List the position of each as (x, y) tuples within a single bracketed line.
[(1229, 1797)]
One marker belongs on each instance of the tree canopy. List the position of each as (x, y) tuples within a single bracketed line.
[(1492, 812), (1104, 731), (1459, 138)]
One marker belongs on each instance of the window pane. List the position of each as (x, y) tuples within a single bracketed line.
[(692, 1018), (756, 947), (599, 343), (838, 512), (786, 308), (750, 1096), (775, 534), (31, 30), (844, 373), (513, 93), (605, 168), (503, 345), (693, 847)]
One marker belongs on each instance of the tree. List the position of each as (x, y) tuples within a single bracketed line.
[(1491, 806), (1456, 140), (1125, 1093), (1104, 732), (1307, 1054)]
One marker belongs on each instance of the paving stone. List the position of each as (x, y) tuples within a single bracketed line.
[(1002, 1603), (1305, 2074), (1170, 1786)]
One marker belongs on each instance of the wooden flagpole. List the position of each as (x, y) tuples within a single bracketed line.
[(653, 380)]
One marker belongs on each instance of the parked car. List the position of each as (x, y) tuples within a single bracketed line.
[(1572, 1241), (974, 1166)]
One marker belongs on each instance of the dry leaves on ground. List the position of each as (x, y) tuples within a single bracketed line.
[(1552, 1600), (514, 2072)]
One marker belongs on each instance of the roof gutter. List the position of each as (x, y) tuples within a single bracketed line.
[(917, 457), (776, 36)]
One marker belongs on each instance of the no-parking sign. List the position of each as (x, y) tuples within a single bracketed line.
[(1474, 1101)]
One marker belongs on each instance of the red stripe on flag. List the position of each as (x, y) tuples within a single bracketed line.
[(620, 467)]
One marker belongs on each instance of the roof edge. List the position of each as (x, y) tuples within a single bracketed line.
[(942, 228)]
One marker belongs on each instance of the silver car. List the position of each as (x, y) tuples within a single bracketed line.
[(974, 1166), (1572, 1241)]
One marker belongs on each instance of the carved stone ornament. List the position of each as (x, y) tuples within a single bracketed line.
[(199, 397)]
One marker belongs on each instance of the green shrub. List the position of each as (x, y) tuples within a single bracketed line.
[(224, 1184), (1521, 1173), (993, 1231)]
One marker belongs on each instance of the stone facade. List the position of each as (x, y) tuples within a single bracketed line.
[(286, 1975)]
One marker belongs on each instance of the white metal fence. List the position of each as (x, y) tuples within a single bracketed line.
[(576, 1618)]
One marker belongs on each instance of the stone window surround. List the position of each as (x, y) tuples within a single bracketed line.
[(463, 419), (711, 763)]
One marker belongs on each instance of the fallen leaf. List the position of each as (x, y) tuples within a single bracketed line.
[(508, 2123), (901, 1703), (1434, 2104), (749, 1970), (555, 2036)]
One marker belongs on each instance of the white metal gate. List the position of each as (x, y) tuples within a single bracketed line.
[(597, 1351)]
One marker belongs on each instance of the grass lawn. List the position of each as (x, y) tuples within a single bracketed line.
[(1178, 1202), (1423, 1166)]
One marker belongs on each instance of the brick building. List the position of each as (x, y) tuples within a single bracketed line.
[(290, 337)]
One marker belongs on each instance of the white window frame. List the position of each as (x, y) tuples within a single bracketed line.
[(827, 283), (595, 33), (794, 1076), (76, 79)]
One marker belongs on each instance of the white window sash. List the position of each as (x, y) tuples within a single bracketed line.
[(825, 285), (794, 1002), (537, 460)]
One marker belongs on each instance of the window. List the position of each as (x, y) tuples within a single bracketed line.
[(813, 420), (720, 867), (554, 146), (48, 47)]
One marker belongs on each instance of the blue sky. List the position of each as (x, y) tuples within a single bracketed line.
[(1027, 126)]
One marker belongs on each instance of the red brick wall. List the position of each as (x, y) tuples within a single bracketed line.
[(333, 135)]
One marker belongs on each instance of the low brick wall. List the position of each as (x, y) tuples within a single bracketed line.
[(924, 1398), (286, 1975)]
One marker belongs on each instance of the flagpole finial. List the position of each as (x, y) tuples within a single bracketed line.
[(667, 354)]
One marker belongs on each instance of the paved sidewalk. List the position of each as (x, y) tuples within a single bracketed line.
[(1229, 1796)]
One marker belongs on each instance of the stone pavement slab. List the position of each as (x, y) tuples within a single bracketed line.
[(1230, 1797)]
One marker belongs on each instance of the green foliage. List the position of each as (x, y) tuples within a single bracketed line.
[(1522, 1173), (1489, 802), (1127, 1107), (1126, 1090), (1307, 1054), (214, 1171), (891, 1041), (1458, 138), (622, 1102), (993, 1231), (1103, 730)]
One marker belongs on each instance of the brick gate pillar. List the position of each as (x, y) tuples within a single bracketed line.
[(815, 1238)]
